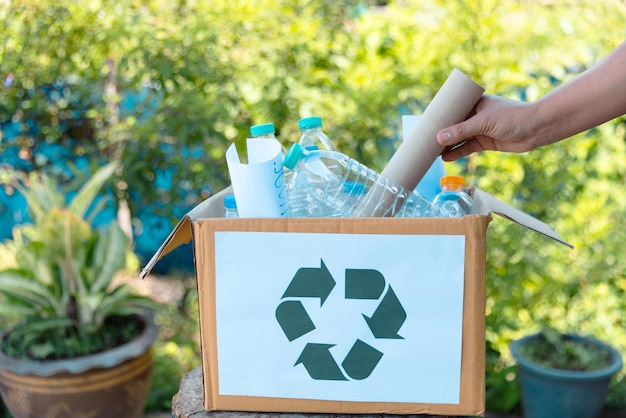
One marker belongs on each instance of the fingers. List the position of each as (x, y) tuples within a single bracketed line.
[(461, 150), (471, 127)]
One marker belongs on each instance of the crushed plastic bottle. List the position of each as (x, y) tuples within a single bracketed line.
[(452, 199), (327, 181)]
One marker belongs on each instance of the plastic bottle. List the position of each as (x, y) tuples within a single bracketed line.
[(264, 130), (300, 201), (452, 199), (336, 185), (312, 135), (267, 131), (230, 206)]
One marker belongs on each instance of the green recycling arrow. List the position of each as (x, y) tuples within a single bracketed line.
[(319, 362), (311, 282), (293, 319), (388, 317), (361, 360), (364, 284)]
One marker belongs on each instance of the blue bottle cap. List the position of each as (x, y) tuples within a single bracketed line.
[(310, 122), (293, 155), (229, 201), (263, 129)]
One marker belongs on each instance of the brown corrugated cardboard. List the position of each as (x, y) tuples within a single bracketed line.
[(204, 224)]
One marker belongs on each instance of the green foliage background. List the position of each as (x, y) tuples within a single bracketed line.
[(204, 71)]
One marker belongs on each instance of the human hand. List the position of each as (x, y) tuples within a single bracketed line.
[(495, 123)]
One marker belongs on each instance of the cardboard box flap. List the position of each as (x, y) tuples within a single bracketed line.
[(182, 234), (486, 204)]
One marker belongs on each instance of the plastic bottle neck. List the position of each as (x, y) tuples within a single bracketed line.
[(265, 136), (449, 188)]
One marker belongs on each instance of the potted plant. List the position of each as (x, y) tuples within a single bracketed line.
[(79, 345), (564, 375)]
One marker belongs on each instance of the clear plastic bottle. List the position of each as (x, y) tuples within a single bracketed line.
[(452, 199), (301, 202), (329, 181), (267, 131), (312, 135), (230, 206)]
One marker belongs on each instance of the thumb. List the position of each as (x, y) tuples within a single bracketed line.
[(456, 134)]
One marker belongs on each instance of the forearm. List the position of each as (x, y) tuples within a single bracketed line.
[(596, 96)]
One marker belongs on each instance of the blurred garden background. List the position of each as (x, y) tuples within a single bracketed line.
[(166, 86)]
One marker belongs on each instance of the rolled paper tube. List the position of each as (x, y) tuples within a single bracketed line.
[(452, 103)]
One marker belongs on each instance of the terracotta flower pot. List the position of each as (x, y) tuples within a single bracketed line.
[(549, 393), (114, 383)]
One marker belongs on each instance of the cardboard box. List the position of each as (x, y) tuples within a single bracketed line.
[(342, 315)]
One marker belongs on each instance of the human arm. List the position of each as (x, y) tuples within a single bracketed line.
[(592, 98)]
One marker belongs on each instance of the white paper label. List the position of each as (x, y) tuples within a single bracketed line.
[(369, 318)]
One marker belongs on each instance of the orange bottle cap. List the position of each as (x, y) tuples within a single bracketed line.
[(452, 181)]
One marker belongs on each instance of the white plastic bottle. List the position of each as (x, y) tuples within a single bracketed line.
[(230, 206), (312, 135), (452, 199), (321, 178)]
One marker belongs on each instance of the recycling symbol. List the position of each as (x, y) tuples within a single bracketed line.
[(360, 284)]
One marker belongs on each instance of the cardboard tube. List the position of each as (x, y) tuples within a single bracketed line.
[(451, 105)]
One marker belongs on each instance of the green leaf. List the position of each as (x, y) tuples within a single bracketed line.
[(12, 309), (111, 304), (109, 256), (41, 195), (42, 350), (34, 328), (18, 284), (86, 195), (554, 338)]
